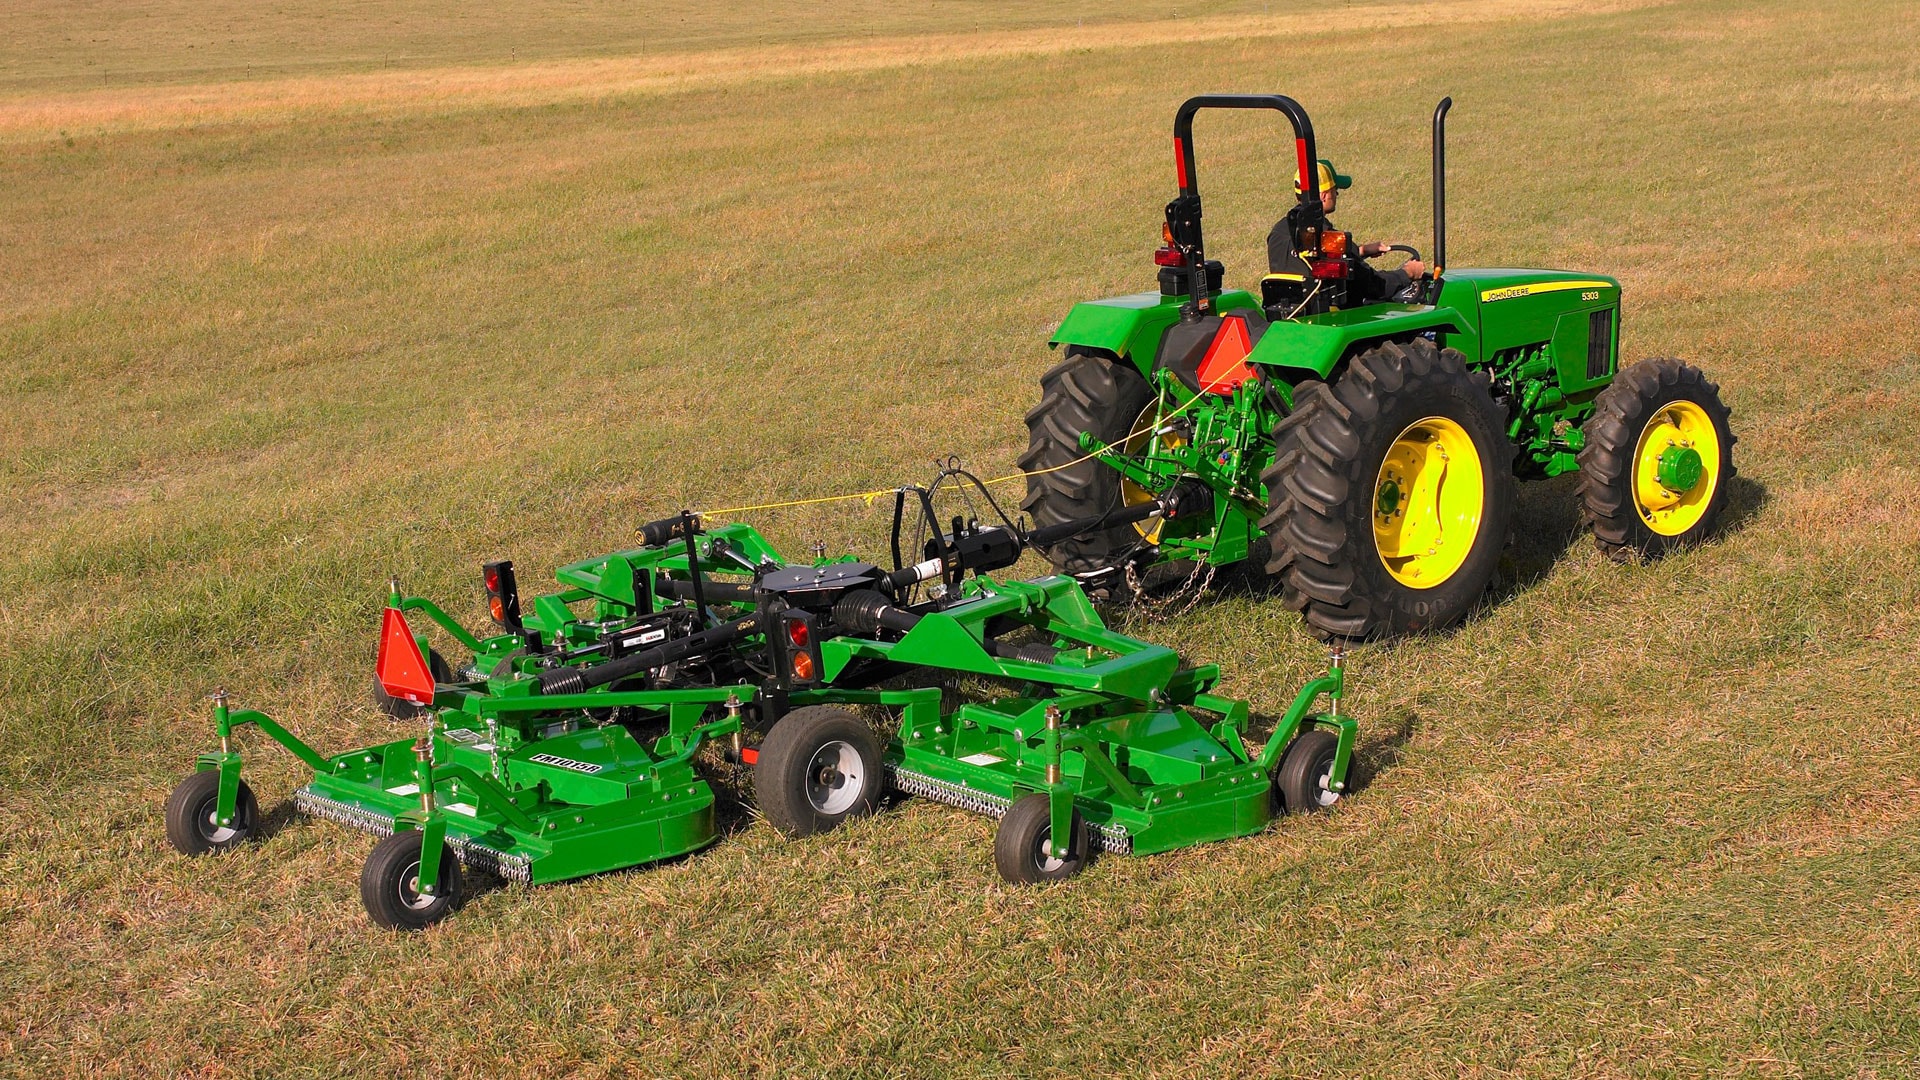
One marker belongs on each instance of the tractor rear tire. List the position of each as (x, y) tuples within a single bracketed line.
[(1621, 492), (1302, 783), (1336, 488), (390, 884), (191, 828), (1019, 846), (1089, 391), (401, 709), (818, 766)]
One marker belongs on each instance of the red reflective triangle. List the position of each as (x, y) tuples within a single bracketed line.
[(1223, 369), (402, 671)]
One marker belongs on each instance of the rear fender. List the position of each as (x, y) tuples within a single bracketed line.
[(1316, 345), (1131, 327)]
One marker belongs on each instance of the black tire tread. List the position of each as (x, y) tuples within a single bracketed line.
[(185, 802), (1021, 828), (1297, 780), (1606, 461), (1088, 391), (1318, 468), (785, 753), (391, 858)]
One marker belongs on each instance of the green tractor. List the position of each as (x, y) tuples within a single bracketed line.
[(1373, 445)]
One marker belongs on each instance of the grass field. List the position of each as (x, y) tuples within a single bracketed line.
[(295, 300)]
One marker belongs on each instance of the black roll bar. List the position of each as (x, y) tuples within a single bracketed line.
[(1183, 214)]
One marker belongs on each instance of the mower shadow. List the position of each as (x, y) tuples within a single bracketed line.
[(1382, 748), (273, 821)]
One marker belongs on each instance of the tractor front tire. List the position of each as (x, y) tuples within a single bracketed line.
[(390, 884), (1020, 846), (1657, 459), (1098, 393), (191, 827), (819, 766), (1390, 493)]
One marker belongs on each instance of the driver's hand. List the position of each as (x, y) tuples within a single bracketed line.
[(1414, 267), (1369, 251)]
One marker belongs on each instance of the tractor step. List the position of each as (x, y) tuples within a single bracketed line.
[(1113, 838)]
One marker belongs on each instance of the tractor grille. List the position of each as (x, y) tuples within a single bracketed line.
[(1600, 344), (1112, 837)]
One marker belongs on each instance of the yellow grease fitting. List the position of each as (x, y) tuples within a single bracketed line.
[(1427, 502), (1687, 426)]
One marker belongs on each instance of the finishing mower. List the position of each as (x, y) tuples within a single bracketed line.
[(1373, 444), (566, 745)]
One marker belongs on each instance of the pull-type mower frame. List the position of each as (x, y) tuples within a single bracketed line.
[(566, 745)]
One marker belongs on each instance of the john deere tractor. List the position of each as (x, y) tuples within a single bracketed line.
[(1373, 445)]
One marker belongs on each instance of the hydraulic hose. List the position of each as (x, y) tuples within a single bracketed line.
[(575, 680), (720, 592), (866, 613)]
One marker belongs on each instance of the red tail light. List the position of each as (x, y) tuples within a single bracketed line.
[(1168, 256), (797, 631), (1330, 268), (503, 594)]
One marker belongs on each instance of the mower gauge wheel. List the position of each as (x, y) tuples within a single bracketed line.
[(818, 767), (191, 825), (1304, 782), (1022, 848), (390, 884)]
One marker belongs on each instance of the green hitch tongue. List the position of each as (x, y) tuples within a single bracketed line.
[(1680, 469)]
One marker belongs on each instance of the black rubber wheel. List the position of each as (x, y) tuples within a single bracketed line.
[(818, 767), (1020, 846), (1099, 393), (1301, 783), (406, 710), (1330, 483), (191, 827), (1621, 492), (389, 884)]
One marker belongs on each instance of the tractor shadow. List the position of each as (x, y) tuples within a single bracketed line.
[(1547, 527)]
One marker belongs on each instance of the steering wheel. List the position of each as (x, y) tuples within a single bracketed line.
[(1410, 294)]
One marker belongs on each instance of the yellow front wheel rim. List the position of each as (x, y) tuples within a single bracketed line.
[(1427, 502), (1676, 468)]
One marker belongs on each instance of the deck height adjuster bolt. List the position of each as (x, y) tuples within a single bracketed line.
[(732, 705)]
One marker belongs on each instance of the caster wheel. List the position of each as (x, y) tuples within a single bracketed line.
[(1020, 847), (191, 825), (1304, 781), (818, 767), (390, 884)]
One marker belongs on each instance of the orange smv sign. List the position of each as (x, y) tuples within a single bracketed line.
[(402, 671)]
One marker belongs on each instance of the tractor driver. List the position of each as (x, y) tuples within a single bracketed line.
[(1366, 285)]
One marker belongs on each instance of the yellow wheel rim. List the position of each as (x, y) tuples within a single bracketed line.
[(1138, 443), (1676, 468), (1427, 502)]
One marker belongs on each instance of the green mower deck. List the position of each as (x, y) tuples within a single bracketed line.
[(567, 744)]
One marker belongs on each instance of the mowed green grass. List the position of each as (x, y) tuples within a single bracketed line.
[(1657, 820)]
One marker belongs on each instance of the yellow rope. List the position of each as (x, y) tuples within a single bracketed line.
[(869, 496)]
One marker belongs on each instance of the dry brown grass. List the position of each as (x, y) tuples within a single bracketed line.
[(1655, 820)]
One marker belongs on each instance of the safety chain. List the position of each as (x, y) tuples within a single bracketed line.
[(1156, 609)]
